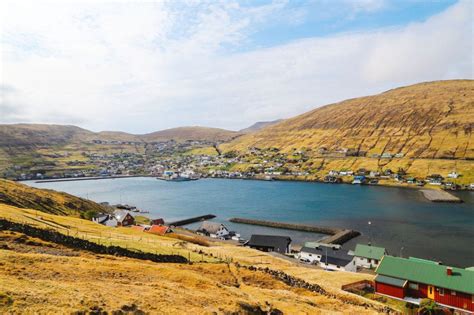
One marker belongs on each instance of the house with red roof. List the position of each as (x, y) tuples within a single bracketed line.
[(159, 229)]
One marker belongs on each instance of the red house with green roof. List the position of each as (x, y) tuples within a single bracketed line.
[(412, 279)]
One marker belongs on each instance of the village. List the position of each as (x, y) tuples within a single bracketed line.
[(411, 280), (203, 159)]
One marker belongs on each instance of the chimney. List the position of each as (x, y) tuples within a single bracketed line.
[(449, 271)]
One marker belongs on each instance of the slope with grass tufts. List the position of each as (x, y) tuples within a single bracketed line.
[(50, 201)]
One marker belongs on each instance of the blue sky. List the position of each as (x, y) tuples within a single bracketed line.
[(143, 66)]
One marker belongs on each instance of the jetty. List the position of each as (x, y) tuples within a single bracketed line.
[(439, 196), (191, 220), (338, 236)]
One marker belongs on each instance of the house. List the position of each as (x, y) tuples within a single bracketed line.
[(336, 259), (270, 243), (213, 229), (309, 254), (159, 229), (105, 219), (453, 174), (124, 218), (413, 279), (159, 221), (368, 256)]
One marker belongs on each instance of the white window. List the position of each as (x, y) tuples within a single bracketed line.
[(453, 292), (413, 286), (441, 291)]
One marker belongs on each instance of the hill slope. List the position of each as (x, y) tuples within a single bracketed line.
[(40, 134), (428, 120), (49, 201)]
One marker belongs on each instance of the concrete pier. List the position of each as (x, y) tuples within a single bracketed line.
[(439, 196), (191, 220)]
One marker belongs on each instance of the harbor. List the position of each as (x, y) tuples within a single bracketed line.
[(397, 214), (337, 236)]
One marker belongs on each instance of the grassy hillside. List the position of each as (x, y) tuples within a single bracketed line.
[(39, 134), (429, 124), (191, 133), (49, 278), (49, 201)]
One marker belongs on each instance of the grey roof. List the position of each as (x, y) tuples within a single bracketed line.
[(338, 257), (211, 227), (275, 241), (311, 250), (121, 214), (392, 281)]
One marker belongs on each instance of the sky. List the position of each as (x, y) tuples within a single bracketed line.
[(140, 66)]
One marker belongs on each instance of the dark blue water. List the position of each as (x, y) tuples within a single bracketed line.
[(402, 220)]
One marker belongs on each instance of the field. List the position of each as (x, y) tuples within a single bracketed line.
[(40, 277)]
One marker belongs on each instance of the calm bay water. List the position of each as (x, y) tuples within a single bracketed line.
[(402, 220)]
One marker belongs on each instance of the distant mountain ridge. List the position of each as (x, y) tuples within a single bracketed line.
[(259, 125), (43, 134)]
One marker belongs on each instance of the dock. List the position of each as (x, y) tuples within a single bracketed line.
[(338, 236), (341, 237), (191, 220), (439, 196)]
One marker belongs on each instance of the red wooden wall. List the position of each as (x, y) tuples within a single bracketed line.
[(460, 300), (388, 289)]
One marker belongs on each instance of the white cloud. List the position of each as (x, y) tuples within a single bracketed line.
[(145, 66)]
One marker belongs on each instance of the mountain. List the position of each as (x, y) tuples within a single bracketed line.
[(49, 201), (40, 134), (191, 133), (260, 125), (424, 129), (427, 120)]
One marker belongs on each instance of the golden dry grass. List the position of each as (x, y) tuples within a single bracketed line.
[(24, 196), (45, 283)]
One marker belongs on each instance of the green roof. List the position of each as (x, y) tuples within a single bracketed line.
[(367, 251), (392, 281), (420, 271)]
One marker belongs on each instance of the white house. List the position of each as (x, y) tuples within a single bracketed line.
[(453, 174), (328, 258), (310, 255), (368, 256), (337, 260), (213, 229)]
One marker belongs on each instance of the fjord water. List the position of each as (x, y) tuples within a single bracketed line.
[(401, 219)]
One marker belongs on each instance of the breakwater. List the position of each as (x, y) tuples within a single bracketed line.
[(191, 220), (338, 236), (75, 179), (77, 243)]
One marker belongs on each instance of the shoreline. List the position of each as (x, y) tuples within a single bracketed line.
[(73, 179)]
